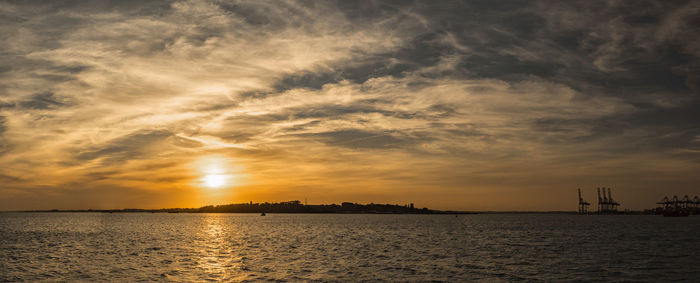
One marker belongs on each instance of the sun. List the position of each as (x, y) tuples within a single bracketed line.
[(216, 171), (214, 180)]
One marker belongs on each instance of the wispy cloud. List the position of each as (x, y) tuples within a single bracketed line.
[(457, 103)]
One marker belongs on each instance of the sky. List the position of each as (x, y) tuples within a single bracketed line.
[(462, 105)]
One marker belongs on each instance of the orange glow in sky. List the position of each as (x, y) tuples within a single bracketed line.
[(449, 105), (216, 171)]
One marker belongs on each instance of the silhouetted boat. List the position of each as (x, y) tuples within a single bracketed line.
[(262, 214)]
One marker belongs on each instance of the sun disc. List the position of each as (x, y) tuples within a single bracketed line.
[(215, 180)]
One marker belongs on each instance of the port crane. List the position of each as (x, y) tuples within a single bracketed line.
[(582, 204), (606, 203)]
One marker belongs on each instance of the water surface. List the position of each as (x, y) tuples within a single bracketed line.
[(338, 247)]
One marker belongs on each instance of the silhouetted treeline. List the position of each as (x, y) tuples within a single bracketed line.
[(285, 207), (297, 207)]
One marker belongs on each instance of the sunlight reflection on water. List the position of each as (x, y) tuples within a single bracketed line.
[(240, 247), (214, 256)]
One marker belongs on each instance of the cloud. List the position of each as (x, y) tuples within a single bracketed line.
[(41, 101), (358, 139), (380, 99), (129, 147)]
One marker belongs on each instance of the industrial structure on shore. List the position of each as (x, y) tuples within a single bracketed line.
[(679, 206), (670, 207), (606, 204), (582, 204)]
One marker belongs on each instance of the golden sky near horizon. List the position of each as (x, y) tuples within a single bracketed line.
[(464, 105)]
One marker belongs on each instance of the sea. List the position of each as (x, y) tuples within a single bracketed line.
[(183, 247)]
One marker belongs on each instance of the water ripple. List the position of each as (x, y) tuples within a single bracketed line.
[(293, 247)]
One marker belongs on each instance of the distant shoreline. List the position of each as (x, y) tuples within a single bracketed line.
[(432, 212), (196, 212), (281, 207), (367, 212), (298, 208)]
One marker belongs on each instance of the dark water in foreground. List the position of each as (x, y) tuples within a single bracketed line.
[(332, 247)]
